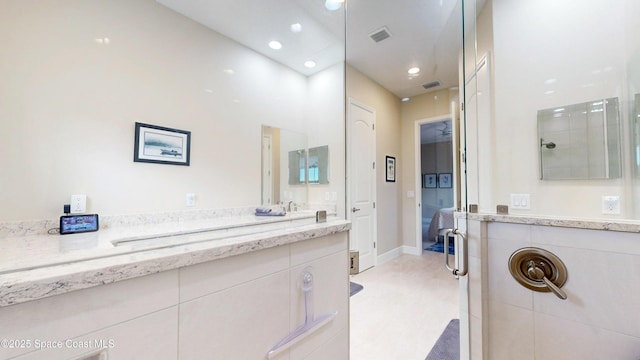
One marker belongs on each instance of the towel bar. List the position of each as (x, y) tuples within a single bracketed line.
[(311, 324)]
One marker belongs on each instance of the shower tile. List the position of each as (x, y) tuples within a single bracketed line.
[(601, 288), (502, 286), (475, 287), (560, 339), (502, 231), (609, 241), (510, 332)]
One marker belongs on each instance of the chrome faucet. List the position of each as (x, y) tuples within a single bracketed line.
[(289, 206)]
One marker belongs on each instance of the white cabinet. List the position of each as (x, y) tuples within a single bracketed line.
[(133, 319), (237, 307), (240, 307)]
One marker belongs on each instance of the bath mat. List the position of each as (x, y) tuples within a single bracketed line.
[(448, 345), (439, 247), (354, 288)]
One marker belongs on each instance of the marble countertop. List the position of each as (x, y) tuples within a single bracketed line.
[(591, 224), (37, 266)]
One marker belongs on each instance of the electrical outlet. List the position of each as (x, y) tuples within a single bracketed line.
[(78, 204), (190, 199), (611, 205)]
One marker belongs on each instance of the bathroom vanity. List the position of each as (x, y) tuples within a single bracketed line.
[(223, 287)]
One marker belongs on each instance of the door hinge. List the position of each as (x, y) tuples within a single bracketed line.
[(374, 244), (374, 204), (461, 106), (373, 127), (374, 164)]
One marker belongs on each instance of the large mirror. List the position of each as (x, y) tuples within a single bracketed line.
[(284, 157), (288, 166), (318, 169), (580, 141)]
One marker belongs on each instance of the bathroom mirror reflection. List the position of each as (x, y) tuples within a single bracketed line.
[(279, 178), (288, 166), (297, 167), (580, 141), (318, 170)]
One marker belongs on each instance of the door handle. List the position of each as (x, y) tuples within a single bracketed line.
[(461, 255), (354, 209)]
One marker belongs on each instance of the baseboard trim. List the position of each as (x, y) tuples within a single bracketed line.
[(411, 250), (388, 256), (394, 253)]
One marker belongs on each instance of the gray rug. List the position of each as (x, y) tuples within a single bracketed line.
[(354, 288), (448, 345)]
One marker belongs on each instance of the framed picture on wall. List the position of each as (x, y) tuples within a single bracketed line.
[(445, 180), (429, 181), (391, 169), (161, 145)]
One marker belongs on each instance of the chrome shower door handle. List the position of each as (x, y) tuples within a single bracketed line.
[(354, 209), (460, 255)]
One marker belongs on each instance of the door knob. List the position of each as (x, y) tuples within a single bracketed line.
[(354, 209)]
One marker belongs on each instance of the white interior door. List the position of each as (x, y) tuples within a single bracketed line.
[(362, 186), (267, 179)]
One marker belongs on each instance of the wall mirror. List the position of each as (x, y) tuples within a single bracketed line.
[(297, 167), (580, 141), (318, 170), (283, 157)]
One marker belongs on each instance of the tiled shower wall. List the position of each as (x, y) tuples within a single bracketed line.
[(599, 320)]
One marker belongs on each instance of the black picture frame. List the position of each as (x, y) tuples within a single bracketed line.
[(430, 181), (162, 145), (390, 168), (445, 180)]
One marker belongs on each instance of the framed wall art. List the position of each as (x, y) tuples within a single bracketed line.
[(429, 181), (161, 145), (391, 169), (445, 180)]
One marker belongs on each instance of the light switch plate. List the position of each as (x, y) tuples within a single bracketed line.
[(521, 201)]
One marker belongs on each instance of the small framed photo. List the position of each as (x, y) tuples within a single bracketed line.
[(161, 145), (445, 180), (391, 169), (429, 181)]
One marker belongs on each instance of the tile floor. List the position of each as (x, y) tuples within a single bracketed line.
[(405, 305)]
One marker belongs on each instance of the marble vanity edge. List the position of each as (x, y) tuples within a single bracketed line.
[(24, 286), (620, 226)]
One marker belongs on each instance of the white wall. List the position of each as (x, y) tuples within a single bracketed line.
[(582, 45), (68, 105), (387, 107)]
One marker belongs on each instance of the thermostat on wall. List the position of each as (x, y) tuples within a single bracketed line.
[(71, 224)]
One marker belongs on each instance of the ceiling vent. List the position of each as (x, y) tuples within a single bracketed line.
[(380, 34), (431, 84)]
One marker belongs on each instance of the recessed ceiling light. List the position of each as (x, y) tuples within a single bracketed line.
[(333, 5), (405, 99), (229, 71), (413, 70), (550, 81), (310, 63), (275, 45), (296, 28)]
